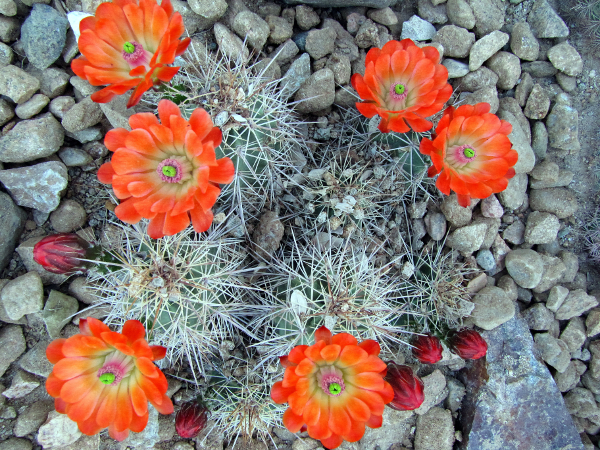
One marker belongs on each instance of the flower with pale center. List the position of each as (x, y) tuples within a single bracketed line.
[(404, 84), (102, 378), (129, 44), (334, 388), (472, 153), (166, 171)]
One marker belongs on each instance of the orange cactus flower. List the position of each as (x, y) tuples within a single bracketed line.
[(166, 172), (403, 84), (102, 378), (129, 45), (335, 388), (471, 152)]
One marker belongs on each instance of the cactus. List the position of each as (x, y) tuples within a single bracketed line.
[(338, 286), (185, 289), (259, 128), (589, 10), (591, 228)]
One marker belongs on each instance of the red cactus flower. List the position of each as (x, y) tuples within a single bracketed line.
[(129, 44), (408, 388), (191, 419), (166, 172), (62, 253), (427, 349), (403, 84), (471, 152), (468, 344), (102, 378), (334, 387)]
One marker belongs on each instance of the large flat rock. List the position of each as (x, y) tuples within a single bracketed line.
[(512, 401)]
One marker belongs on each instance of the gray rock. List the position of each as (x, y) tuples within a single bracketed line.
[(492, 308), (344, 42), (32, 106), (514, 384), (320, 43), (367, 35), (514, 233), (456, 69), (567, 380), (511, 105), (69, 216), (432, 13), (35, 361), (538, 317), (467, 239), (12, 344), (317, 93), (16, 444), (74, 157), (539, 69), (523, 89), (520, 143), (574, 334), (435, 430), (592, 322), (515, 193), (553, 351), (434, 390), (58, 431), (436, 225), (576, 303), (556, 297), (306, 17), (396, 427), (538, 103), (417, 29), (6, 55), (384, 16), (343, 3), (460, 14), (580, 403), (487, 94), (563, 128), (23, 295), (229, 44), (22, 384), (485, 47), (491, 207), (508, 285), (525, 267), (150, 436), (9, 29), (12, 221), (31, 139), (571, 263), (493, 226), (39, 186), (17, 84), (539, 140), (457, 41), (191, 21), (554, 270), (285, 52), (252, 28), (43, 35), (60, 105), (82, 291), (267, 235), (58, 311), (482, 77), (508, 68), (523, 43), (33, 417), (280, 29), (6, 111), (566, 59), (8, 8), (594, 369), (545, 23), (567, 83), (489, 15), (296, 76), (54, 81), (209, 10), (542, 228), (486, 260), (83, 115), (454, 213), (88, 135), (558, 201), (340, 66)]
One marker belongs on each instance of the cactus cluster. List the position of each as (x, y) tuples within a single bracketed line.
[(589, 10)]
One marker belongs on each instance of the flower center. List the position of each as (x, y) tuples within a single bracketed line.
[(469, 152), (170, 170), (331, 381), (398, 91), (464, 154), (112, 373), (135, 55)]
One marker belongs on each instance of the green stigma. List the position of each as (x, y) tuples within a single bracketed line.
[(169, 171), (399, 89), (469, 152), (335, 388), (128, 47), (107, 378)]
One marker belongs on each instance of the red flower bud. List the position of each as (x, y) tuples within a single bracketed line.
[(408, 388), (427, 349), (191, 419), (62, 253), (468, 344)]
